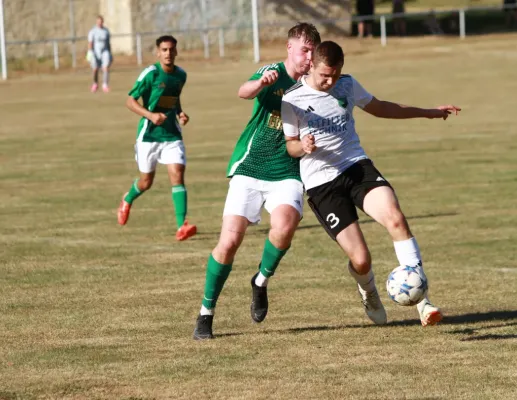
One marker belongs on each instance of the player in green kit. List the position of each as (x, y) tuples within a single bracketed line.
[(159, 138), (262, 175)]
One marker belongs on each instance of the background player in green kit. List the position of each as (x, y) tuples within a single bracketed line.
[(263, 174), (159, 138)]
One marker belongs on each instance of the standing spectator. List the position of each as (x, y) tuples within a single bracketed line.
[(99, 54), (399, 23), (510, 13), (365, 8)]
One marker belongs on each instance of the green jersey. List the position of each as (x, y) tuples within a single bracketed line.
[(160, 92), (261, 151)]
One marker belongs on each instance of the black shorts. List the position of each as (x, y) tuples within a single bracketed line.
[(335, 202)]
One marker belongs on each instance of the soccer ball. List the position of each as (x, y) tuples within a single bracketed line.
[(407, 285)]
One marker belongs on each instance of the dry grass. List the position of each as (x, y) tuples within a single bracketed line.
[(92, 311)]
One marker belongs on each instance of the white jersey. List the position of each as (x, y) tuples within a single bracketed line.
[(100, 38), (327, 116)]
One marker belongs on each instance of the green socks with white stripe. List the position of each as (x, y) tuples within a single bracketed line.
[(133, 193), (179, 200), (271, 257), (216, 275)]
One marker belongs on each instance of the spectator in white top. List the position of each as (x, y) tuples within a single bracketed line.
[(99, 54)]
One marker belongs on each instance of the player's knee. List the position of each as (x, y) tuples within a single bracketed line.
[(228, 245), (226, 250), (285, 226), (177, 179), (284, 232), (177, 176), (361, 261), (396, 221), (145, 183)]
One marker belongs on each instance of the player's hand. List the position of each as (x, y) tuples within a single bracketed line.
[(89, 55), (158, 118), (308, 144), (443, 111), (268, 78), (183, 118)]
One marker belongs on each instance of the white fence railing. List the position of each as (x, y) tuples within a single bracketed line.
[(219, 33)]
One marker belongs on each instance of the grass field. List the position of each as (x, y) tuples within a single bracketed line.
[(90, 310)]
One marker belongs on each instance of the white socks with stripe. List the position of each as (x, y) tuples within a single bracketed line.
[(408, 252), (366, 282)]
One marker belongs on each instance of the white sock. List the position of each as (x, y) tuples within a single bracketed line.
[(261, 280), (420, 306), (366, 282), (206, 311), (408, 252)]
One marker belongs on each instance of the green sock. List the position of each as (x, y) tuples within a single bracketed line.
[(216, 275), (179, 199), (133, 193), (270, 259)]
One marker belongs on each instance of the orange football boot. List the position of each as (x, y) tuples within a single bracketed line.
[(185, 231), (123, 211)]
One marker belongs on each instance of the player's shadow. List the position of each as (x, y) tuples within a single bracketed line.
[(262, 231), (490, 316), (471, 318), (366, 221)]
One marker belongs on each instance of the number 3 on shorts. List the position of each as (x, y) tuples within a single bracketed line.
[(332, 220)]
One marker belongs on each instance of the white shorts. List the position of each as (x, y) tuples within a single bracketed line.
[(103, 61), (147, 154), (246, 196)]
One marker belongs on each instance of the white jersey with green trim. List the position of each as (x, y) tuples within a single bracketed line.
[(329, 117)]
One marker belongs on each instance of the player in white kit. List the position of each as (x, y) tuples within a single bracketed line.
[(338, 175), (99, 54)]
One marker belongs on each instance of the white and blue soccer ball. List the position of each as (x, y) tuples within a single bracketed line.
[(407, 285)]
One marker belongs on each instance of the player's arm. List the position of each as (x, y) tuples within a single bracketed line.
[(89, 53), (250, 89), (387, 109), (137, 108), (295, 146), (182, 116), (142, 88), (90, 40)]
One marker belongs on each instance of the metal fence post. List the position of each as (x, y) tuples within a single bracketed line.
[(74, 54), (256, 33), (139, 49), (56, 55), (383, 30), (204, 36), (206, 44), (3, 52), (462, 24), (221, 42), (71, 13)]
